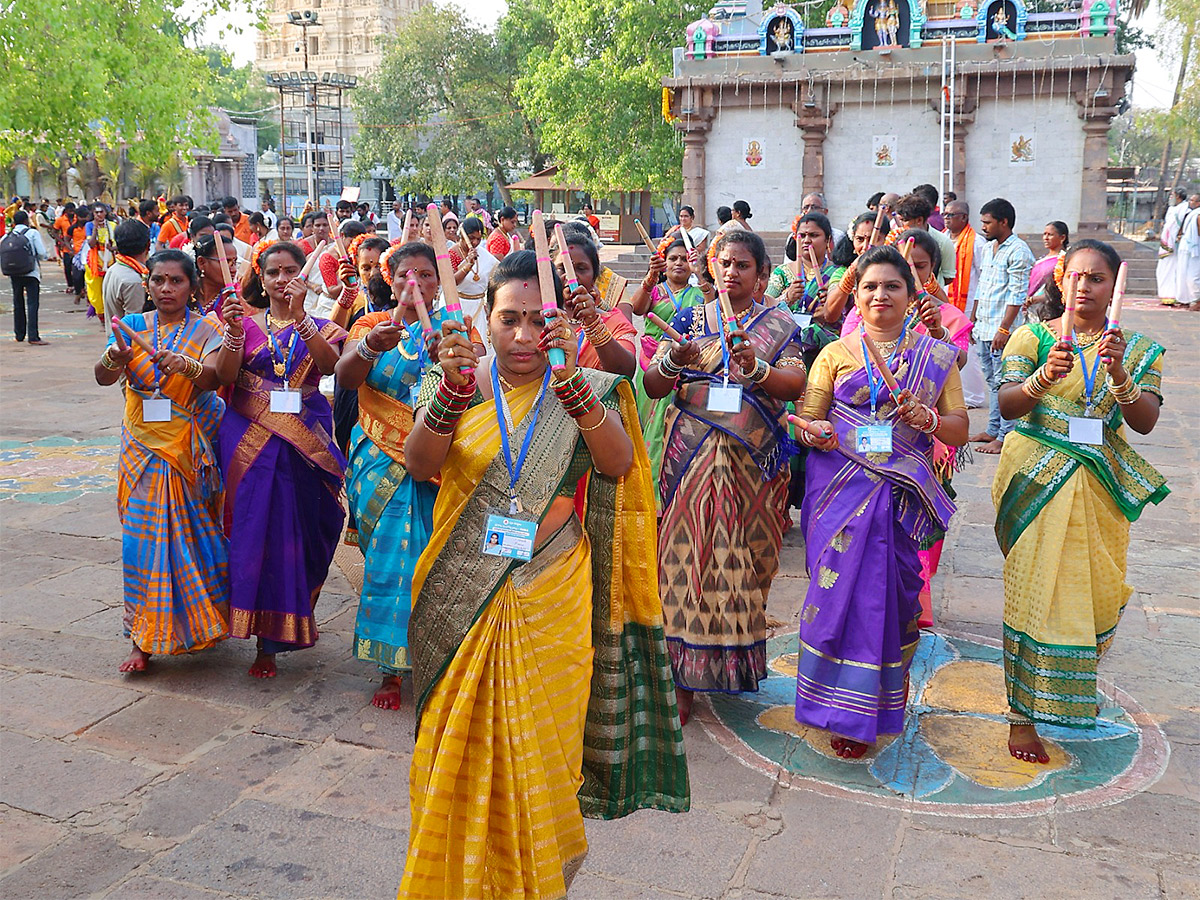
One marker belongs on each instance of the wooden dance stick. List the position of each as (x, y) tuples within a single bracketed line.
[(687, 239), (408, 217), (1068, 318), (723, 300), (419, 303), (445, 269), (637, 223), (545, 270), (906, 250), (134, 336), (312, 260), (221, 258), (665, 327), (816, 267), (568, 266), (118, 337), (402, 291), (881, 364), (1118, 297), (878, 224), (805, 425)]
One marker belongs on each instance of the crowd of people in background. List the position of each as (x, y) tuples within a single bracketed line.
[(570, 491)]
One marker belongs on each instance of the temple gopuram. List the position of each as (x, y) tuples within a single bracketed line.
[(990, 100)]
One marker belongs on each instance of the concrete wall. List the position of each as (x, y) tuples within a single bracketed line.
[(773, 189), (850, 176), (1050, 188)]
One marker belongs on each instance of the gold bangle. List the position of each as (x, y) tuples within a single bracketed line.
[(195, 368), (107, 361), (603, 419), (598, 334)]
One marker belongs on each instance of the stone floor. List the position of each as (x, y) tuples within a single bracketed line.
[(196, 781)]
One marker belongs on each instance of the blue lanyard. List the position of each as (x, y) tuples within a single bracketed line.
[(670, 293), (874, 384), (724, 332), (1089, 378), (276, 354), (504, 417), (172, 342)]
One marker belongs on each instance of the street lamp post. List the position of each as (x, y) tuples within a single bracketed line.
[(304, 20)]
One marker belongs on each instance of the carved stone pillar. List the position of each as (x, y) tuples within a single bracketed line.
[(694, 122), (1097, 106), (813, 122), (1093, 194)]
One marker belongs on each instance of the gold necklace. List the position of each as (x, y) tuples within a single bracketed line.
[(504, 382), (887, 348), (404, 337), (279, 365), (1087, 338)]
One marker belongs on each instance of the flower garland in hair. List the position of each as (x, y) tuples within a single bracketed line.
[(385, 269), (665, 243), (352, 250), (713, 247), (257, 252), (1060, 269)]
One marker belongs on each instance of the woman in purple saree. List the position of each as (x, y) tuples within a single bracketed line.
[(283, 471), (871, 497)]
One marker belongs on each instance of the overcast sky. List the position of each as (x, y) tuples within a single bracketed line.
[(1152, 84)]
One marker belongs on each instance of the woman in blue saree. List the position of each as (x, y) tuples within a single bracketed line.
[(871, 497)]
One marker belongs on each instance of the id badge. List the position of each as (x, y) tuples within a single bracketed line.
[(726, 398), (508, 536), (285, 401), (1082, 430), (873, 439), (156, 409), (802, 319)]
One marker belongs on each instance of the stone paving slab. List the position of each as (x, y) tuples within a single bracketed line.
[(57, 707), (81, 866), (196, 781), (59, 780), (276, 851)]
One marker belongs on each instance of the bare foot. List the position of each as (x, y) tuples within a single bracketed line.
[(847, 748), (1023, 743), (683, 698), (992, 447), (773, 622), (136, 662), (982, 438), (263, 665), (388, 695)]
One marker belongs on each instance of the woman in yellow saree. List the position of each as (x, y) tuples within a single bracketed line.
[(1066, 489), (540, 668)]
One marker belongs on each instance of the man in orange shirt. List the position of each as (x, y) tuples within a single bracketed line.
[(177, 223), (240, 223), (62, 227)]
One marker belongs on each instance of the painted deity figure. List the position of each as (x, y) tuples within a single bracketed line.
[(782, 34)]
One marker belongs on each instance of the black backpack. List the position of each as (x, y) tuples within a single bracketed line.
[(16, 254)]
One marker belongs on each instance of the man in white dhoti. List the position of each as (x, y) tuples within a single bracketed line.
[(1168, 237), (1187, 257)]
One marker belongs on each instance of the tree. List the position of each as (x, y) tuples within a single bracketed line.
[(597, 88), (241, 89), (86, 74), (441, 112)]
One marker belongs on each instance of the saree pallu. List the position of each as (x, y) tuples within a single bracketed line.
[(283, 512), (723, 484), (1062, 521), (174, 556), (543, 689), (946, 460), (864, 516), (653, 411), (394, 514)]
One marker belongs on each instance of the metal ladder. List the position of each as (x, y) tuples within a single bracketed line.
[(946, 144)]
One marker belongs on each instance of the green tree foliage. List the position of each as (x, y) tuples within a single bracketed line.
[(241, 89), (441, 113), (83, 74), (596, 88)]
